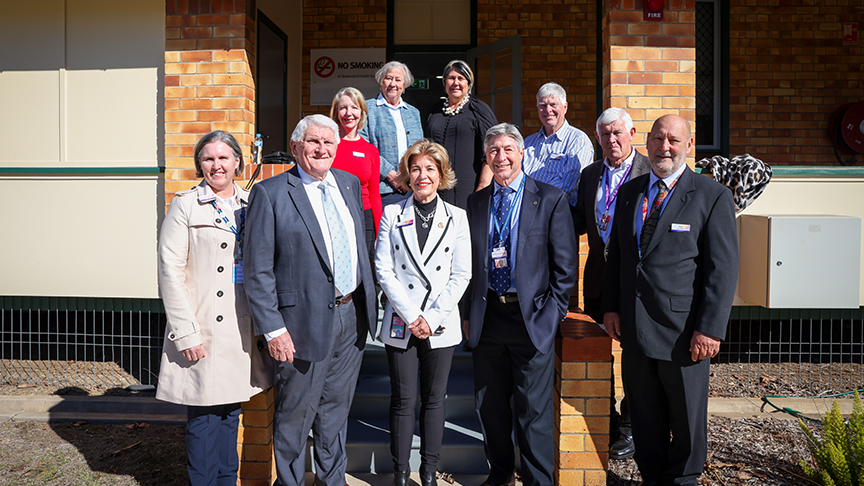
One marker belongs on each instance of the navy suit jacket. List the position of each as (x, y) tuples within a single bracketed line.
[(547, 263), (685, 281), (585, 221), (287, 271)]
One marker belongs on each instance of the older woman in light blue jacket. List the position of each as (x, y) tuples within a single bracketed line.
[(423, 260), (392, 126)]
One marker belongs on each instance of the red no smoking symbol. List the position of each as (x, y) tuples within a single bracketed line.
[(324, 67)]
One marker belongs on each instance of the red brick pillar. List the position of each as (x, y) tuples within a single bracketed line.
[(582, 389)]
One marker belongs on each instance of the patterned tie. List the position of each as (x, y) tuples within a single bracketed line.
[(651, 223), (501, 276), (339, 241)]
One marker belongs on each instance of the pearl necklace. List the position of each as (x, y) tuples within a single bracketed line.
[(426, 218), (458, 109)]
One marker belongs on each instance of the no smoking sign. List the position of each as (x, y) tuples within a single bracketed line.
[(325, 67)]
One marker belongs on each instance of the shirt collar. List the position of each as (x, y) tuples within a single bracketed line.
[(381, 101), (308, 180), (557, 133), (667, 180), (625, 164), (513, 185)]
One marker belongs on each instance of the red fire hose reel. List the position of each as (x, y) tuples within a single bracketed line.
[(847, 131)]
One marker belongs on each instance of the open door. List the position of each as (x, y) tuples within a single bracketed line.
[(271, 95), (498, 77)]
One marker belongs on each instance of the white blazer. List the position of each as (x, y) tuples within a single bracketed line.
[(428, 283)]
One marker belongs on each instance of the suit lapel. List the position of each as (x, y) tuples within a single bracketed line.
[(480, 225), (530, 203), (304, 208), (439, 226), (677, 202), (408, 233), (628, 208)]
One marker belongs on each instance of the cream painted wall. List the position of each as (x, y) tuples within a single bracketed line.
[(811, 195), (288, 16), (80, 237), (432, 22)]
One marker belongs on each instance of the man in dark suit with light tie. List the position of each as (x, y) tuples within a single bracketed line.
[(310, 289), (525, 265), (593, 214), (670, 281)]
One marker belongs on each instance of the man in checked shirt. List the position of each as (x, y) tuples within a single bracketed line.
[(557, 153)]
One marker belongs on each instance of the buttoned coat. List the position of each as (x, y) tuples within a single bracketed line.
[(380, 131), (585, 221), (547, 263), (686, 279), (287, 267), (429, 282), (197, 250)]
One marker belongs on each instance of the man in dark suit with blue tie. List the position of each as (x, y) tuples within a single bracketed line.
[(669, 285), (310, 288), (524, 267)]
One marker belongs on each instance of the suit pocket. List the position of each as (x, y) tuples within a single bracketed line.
[(287, 298), (680, 303)]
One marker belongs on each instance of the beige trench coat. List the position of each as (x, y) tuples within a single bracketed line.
[(197, 250)]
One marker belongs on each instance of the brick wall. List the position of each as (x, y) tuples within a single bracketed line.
[(559, 43), (255, 441), (209, 61), (340, 24), (789, 72)]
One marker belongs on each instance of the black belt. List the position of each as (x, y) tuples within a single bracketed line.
[(343, 299), (511, 298)]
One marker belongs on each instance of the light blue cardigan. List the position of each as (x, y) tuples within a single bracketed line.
[(380, 131)]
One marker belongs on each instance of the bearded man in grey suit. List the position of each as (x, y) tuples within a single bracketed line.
[(669, 285), (310, 288), (593, 214)]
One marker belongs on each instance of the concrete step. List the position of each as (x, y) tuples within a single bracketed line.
[(97, 409)]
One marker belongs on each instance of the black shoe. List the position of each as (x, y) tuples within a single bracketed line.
[(622, 448), (428, 479), (400, 478)]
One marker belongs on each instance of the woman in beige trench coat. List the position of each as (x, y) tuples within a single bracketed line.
[(211, 359)]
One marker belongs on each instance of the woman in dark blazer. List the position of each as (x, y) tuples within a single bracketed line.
[(460, 124), (423, 261)]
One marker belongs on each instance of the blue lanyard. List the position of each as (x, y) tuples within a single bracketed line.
[(228, 220), (509, 213)]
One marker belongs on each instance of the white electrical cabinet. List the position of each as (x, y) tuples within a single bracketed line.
[(802, 262)]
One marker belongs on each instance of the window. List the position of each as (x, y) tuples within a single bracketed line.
[(708, 76)]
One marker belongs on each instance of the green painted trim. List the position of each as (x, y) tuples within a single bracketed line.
[(81, 170), (807, 170), (760, 313), (79, 304)]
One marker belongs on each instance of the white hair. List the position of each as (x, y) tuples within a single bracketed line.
[(503, 129), (385, 70), (314, 120), (611, 115), (552, 90)]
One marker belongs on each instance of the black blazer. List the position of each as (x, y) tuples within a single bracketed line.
[(286, 268), (585, 221), (685, 281), (547, 261)]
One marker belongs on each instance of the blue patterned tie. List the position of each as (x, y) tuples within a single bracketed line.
[(501, 276), (339, 241)]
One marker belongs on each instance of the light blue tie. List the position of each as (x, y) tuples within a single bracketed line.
[(338, 240)]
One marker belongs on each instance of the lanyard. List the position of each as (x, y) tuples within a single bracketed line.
[(645, 213), (609, 194), (509, 213), (228, 220)]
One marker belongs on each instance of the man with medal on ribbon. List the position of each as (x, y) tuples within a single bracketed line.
[(524, 267), (593, 214)]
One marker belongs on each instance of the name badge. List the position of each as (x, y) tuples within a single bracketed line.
[(359, 154), (499, 257), (680, 228), (604, 222), (397, 327), (407, 222), (238, 271)]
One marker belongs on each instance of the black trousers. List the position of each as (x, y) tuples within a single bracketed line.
[(211, 444), (317, 396), (668, 397), (507, 365), (434, 368)]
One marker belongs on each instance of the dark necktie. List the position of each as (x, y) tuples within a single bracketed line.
[(651, 223), (501, 276)]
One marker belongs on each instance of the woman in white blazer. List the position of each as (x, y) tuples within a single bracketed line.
[(211, 360), (423, 261)]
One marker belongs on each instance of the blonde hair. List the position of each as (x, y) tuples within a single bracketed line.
[(436, 152), (357, 97)]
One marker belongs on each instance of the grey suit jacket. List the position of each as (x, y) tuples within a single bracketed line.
[(287, 271), (585, 221), (685, 281), (547, 264)]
